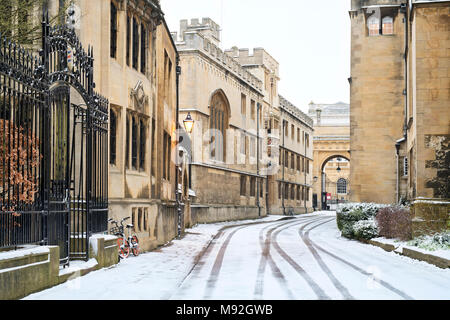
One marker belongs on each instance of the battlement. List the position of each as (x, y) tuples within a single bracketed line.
[(293, 110), (259, 57), (192, 37), (244, 53), (207, 27)]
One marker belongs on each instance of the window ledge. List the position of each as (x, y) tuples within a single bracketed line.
[(136, 173), (114, 169)]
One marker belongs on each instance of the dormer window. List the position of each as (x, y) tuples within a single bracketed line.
[(373, 24), (388, 25)]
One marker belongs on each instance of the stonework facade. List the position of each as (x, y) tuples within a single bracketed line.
[(294, 178), (232, 96), (400, 101), (223, 98), (135, 60), (331, 151)]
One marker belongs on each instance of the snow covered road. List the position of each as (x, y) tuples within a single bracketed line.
[(300, 258)]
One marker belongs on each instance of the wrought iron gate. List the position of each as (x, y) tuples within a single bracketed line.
[(53, 145)]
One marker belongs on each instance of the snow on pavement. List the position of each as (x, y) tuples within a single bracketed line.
[(301, 258), (150, 276)]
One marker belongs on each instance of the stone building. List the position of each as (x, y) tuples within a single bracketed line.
[(262, 65), (293, 175), (331, 169), (235, 93), (224, 99), (294, 178), (135, 60), (400, 116)]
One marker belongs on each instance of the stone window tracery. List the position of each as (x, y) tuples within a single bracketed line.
[(218, 125)]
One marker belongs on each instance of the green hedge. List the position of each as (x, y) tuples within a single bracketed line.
[(357, 220)]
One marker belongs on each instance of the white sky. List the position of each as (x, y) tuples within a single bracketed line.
[(309, 38)]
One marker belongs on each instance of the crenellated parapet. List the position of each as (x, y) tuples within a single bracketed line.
[(296, 112), (259, 57), (204, 37)]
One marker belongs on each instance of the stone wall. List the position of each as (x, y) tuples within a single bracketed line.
[(29, 270), (429, 100), (430, 216), (212, 214), (156, 224)]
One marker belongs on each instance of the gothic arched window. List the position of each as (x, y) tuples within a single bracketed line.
[(388, 25), (373, 24), (218, 125), (342, 186)]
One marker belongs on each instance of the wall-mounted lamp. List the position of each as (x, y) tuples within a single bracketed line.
[(188, 123)]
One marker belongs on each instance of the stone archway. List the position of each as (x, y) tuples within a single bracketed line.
[(321, 158)]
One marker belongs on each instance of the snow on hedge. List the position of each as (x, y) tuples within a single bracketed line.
[(357, 220), (369, 208), (439, 241), (366, 229)]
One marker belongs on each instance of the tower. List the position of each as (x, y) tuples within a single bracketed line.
[(377, 100)]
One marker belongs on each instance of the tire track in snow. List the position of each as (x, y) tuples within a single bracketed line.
[(337, 284), (266, 257), (199, 260), (313, 285), (214, 275), (381, 282)]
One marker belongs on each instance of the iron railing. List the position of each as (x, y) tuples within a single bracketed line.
[(53, 149)]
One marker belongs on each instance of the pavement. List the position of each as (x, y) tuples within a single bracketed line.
[(275, 258)]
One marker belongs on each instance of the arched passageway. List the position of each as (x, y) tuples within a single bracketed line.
[(334, 181)]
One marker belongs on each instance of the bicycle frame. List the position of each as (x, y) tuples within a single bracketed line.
[(121, 232)]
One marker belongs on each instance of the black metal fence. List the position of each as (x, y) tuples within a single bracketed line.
[(53, 145)]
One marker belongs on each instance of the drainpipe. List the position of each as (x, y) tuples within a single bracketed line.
[(306, 189), (404, 10), (283, 164), (257, 159), (177, 167), (397, 186)]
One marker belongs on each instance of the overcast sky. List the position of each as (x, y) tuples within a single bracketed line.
[(309, 38)]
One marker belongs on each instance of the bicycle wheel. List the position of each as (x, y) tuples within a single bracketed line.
[(135, 246), (124, 248)]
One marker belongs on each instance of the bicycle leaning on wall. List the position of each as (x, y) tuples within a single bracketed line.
[(125, 244)]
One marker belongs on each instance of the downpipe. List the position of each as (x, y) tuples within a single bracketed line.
[(177, 167), (404, 10)]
